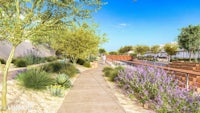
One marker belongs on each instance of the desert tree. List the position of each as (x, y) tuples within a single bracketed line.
[(125, 49), (141, 49), (189, 39), (170, 49), (80, 42), (155, 49)]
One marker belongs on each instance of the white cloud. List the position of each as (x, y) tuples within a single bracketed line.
[(123, 24)]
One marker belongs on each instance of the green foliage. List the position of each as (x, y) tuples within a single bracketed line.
[(33, 59), (80, 61), (63, 80), (50, 58), (13, 60), (134, 55), (79, 42), (171, 49), (87, 64), (105, 69), (102, 51), (113, 53), (35, 79), (70, 70), (108, 71), (20, 62), (55, 67), (61, 67), (29, 59), (112, 73), (155, 49), (2, 61), (56, 90), (141, 49), (125, 49), (59, 52), (189, 38), (92, 58)]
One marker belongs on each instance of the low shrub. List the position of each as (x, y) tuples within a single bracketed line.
[(112, 73), (56, 90), (61, 67), (50, 58), (92, 58), (87, 64), (33, 59), (70, 70), (35, 79), (54, 67), (80, 61), (20, 62), (107, 69), (13, 60), (2, 61), (28, 60), (155, 86), (63, 80)]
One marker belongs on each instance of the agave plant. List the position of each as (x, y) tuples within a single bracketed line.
[(56, 90), (63, 80)]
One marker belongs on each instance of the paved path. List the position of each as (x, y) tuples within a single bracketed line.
[(91, 94)]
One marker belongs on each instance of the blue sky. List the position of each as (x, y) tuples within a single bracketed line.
[(147, 22)]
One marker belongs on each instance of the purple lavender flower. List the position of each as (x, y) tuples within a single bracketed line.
[(158, 87)]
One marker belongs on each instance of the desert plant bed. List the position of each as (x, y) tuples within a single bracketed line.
[(158, 89), (26, 100)]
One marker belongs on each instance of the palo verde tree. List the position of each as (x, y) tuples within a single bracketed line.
[(102, 51), (170, 49), (80, 42), (141, 49), (36, 19), (113, 53), (155, 49), (125, 49), (189, 39)]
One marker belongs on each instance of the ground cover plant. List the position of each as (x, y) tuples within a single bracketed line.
[(35, 79), (112, 73), (157, 88), (63, 80), (2, 61), (61, 67), (28, 60)]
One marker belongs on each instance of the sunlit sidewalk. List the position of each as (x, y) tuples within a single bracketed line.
[(91, 94)]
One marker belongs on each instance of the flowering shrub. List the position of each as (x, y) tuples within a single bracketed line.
[(155, 86)]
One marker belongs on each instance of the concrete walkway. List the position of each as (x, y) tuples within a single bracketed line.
[(91, 94)]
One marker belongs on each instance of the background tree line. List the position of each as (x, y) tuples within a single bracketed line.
[(188, 39)]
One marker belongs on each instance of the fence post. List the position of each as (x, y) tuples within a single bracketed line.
[(187, 80)]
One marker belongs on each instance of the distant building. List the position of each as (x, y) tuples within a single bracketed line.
[(181, 53)]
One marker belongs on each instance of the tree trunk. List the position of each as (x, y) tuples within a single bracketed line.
[(196, 56), (4, 83), (74, 60), (190, 54), (169, 58)]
